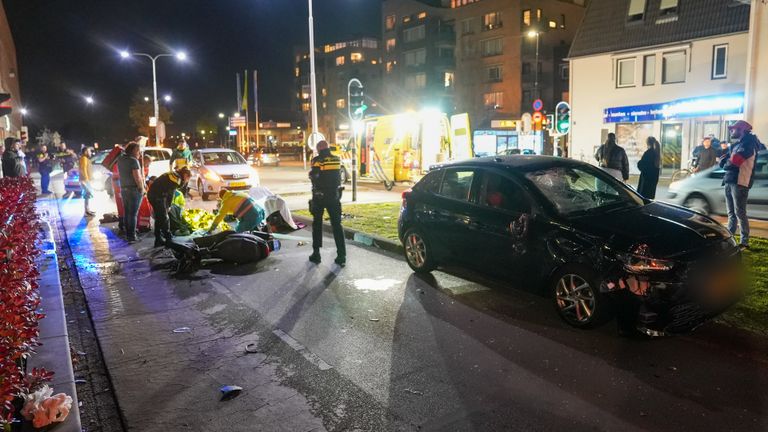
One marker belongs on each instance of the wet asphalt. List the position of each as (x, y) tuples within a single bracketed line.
[(373, 346)]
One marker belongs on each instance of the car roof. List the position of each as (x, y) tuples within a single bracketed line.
[(215, 150), (517, 162), (163, 149)]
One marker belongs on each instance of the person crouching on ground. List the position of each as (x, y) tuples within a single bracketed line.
[(86, 173), (160, 196), (246, 210), (739, 166)]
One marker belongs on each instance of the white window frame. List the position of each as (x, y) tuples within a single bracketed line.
[(499, 73), (619, 68), (723, 75), (417, 57), (664, 56), (485, 43), (414, 34), (646, 82), (636, 11)]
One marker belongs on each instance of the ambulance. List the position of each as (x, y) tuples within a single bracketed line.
[(403, 147)]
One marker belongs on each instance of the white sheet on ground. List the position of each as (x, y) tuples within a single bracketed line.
[(272, 203)]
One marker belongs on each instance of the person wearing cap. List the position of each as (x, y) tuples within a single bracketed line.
[(739, 165), (326, 195), (249, 214), (160, 195), (181, 153)]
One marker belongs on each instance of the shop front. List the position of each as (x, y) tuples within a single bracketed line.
[(679, 125)]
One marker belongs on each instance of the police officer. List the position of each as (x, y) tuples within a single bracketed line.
[(326, 195), (160, 195)]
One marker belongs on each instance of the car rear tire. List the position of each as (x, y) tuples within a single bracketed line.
[(698, 203), (577, 298), (344, 176), (418, 251), (388, 185)]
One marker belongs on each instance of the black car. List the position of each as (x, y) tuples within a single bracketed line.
[(574, 232)]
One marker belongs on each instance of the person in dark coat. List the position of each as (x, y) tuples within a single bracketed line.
[(160, 196), (613, 159), (11, 159), (707, 157), (649, 166)]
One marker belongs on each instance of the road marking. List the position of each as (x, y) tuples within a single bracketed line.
[(301, 349)]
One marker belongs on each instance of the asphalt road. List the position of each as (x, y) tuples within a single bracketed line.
[(374, 347)]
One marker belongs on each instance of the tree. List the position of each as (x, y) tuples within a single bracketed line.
[(48, 138), (141, 110)]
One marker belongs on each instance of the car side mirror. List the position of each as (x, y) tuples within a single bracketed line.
[(519, 227)]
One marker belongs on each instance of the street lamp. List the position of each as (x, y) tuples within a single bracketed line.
[(535, 34), (181, 56), (167, 98), (24, 111), (221, 115), (89, 100)]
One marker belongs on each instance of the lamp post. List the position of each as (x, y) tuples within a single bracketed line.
[(312, 81), (536, 33), (181, 56)]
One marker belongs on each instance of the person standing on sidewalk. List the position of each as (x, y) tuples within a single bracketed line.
[(326, 195), (11, 159), (707, 156), (131, 188), (613, 159), (739, 166), (86, 173), (650, 167), (44, 166), (160, 196)]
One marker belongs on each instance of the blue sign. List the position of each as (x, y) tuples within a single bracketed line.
[(538, 104), (732, 103)]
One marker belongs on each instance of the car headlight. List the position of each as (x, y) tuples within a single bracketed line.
[(212, 176), (640, 261)]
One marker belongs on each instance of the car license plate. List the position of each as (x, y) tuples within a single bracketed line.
[(237, 184)]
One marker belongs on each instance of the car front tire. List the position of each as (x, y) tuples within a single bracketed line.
[(418, 251), (201, 190), (577, 298), (698, 203)]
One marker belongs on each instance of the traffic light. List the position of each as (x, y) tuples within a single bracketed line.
[(356, 100), (549, 122), (5, 104), (563, 118)]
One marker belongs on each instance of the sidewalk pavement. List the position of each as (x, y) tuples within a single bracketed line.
[(169, 344), (54, 353)]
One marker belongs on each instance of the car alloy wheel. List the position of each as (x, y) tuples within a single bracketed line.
[(417, 252), (576, 300)]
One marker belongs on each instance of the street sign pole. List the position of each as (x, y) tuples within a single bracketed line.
[(355, 115)]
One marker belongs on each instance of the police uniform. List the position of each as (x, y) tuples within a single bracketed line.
[(160, 196), (326, 195)]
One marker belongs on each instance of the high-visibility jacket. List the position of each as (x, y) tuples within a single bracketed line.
[(237, 204)]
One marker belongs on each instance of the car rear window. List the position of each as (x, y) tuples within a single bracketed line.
[(431, 182), (457, 184)]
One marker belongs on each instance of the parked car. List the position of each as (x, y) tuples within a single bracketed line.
[(216, 168), (161, 160), (101, 181), (576, 234), (346, 161), (704, 193), (265, 157)]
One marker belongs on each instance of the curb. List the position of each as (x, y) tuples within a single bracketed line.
[(359, 237), (54, 353)]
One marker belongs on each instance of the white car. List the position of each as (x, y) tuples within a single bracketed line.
[(161, 160), (217, 168), (704, 191)]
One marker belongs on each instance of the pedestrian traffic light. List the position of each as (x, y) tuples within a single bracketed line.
[(563, 118), (5, 104), (356, 99)]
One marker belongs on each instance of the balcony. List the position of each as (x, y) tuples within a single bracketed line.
[(493, 26)]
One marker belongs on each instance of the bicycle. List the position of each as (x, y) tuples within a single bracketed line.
[(686, 172)]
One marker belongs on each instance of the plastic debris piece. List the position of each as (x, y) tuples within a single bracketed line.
[(81, 353), (80, 381), (301, 243), (251, 348), (229, 392), (672, 368), (182, 330), (415, 392), (373, 319)]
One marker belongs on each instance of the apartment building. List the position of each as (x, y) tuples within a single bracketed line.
[(10, 125)]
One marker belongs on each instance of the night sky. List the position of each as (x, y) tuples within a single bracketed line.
[(69, 49)]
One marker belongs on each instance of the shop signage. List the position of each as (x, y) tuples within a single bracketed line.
[(732, 103)]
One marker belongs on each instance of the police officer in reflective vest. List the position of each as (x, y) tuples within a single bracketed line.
[(326, 195)]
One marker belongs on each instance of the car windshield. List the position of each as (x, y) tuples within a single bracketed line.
[(99, 157), (574, 191), (222, 158)]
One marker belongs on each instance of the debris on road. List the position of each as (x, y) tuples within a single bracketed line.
[(182, 330), (415, 392), (251, 348), (229, 392)]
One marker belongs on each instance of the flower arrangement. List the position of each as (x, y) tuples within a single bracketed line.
[(19, 297)]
